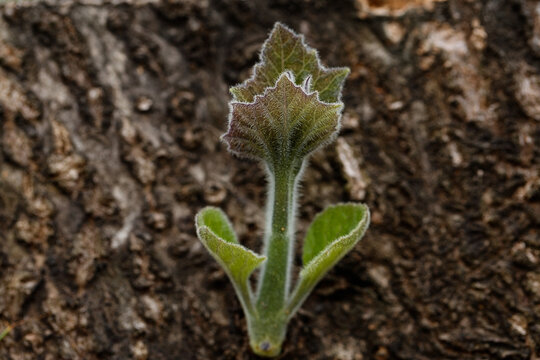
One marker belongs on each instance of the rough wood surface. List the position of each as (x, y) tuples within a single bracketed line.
[(109, 123)]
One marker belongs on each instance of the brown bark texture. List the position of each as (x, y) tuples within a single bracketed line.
[(110, 117)]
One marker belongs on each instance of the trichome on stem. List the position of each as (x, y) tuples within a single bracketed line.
[(289, 107)]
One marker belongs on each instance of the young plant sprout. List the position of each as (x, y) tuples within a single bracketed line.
[(290, 107)]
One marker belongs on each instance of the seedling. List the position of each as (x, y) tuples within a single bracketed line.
[(290, 107), (9, 328), (6, 331)]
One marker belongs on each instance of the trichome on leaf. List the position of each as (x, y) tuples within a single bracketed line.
[(290, 107)]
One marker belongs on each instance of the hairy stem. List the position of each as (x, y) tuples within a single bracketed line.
[(274, 281), (268, 326), (298, 296)]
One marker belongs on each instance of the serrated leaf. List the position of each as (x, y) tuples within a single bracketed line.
[(286, 51), (217, 235), (333, 233), (284, 124)]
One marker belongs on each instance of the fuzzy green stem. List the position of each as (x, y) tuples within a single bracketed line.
[(274, 280), (268, 326), (298, 296)]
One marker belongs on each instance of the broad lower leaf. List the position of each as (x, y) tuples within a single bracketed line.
[(340, 224), (286, 51), (333, 233), (216, 233), (283, 125)]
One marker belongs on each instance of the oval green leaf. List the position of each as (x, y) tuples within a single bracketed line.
[(340, 224), (216, 220), (217, 235), (333, 233)]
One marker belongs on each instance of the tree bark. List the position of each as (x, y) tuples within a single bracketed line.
[(110, 117)]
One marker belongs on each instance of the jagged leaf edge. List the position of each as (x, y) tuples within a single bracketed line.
[(321, 66), (291, 77)]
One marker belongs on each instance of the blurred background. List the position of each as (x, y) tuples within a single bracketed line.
[(110, 117)]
